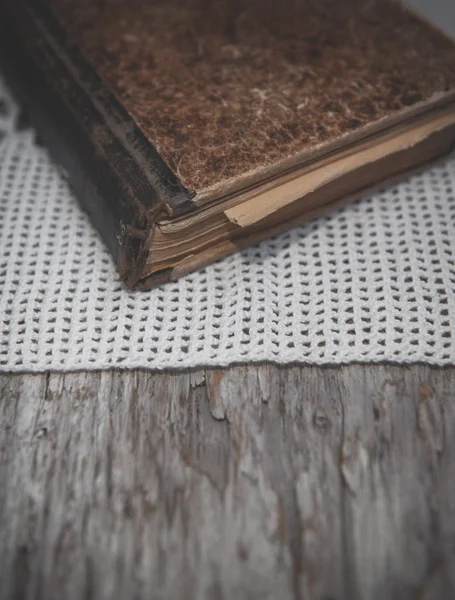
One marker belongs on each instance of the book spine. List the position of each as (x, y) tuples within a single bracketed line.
[(115, 172)]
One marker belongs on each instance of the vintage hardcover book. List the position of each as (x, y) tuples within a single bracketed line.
[(191, 128)]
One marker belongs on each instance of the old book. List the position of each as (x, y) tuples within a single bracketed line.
[(191, 128)]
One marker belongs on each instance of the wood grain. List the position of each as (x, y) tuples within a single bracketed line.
[(250, 482)]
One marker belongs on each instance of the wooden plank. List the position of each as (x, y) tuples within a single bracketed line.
[(249, 482)]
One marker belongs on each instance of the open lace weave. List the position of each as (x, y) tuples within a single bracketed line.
[(372, 282)]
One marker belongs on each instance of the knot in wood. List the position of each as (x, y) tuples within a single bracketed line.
[(321, 420)]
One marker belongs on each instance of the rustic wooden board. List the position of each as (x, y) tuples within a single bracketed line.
[(250, 482)]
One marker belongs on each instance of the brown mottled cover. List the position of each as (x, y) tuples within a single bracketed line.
[(223, 88), (186, 101)]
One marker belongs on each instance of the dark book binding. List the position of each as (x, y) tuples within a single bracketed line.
[(120, 179)]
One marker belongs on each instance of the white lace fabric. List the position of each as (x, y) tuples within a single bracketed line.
[(372, 282)]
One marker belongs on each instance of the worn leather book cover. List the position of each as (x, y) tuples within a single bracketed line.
[(191, 128)]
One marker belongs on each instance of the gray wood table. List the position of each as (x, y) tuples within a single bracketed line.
[(249, 482)]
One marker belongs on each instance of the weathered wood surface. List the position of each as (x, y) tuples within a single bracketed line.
[(251, 482)]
